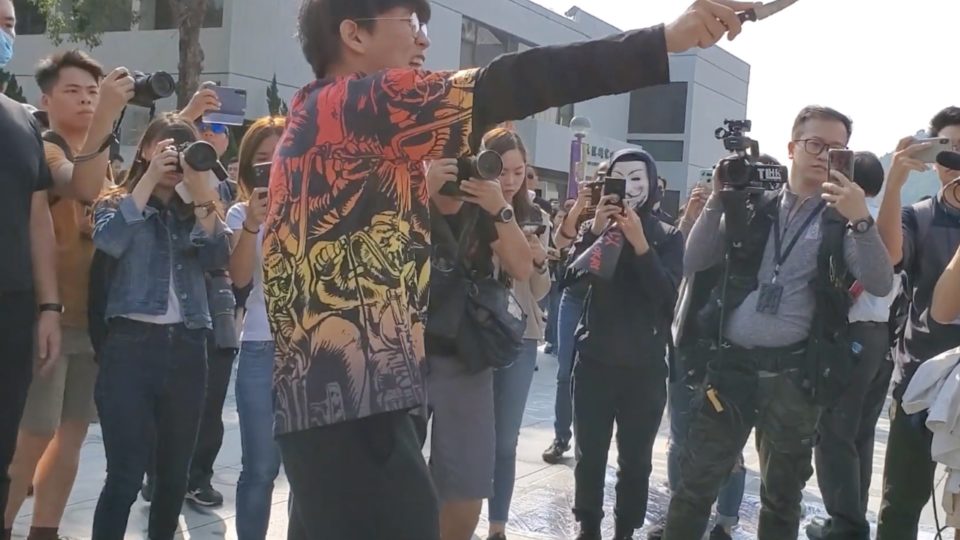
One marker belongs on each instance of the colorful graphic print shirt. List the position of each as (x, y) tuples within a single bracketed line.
[(347, 242)]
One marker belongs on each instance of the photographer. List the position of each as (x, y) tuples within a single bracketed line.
[(365, 214), (260, 456), (150, 389), (778, 300), (921, 239), (620, 370), (477, 410), (28, 273), (569, 312), (77, 99)]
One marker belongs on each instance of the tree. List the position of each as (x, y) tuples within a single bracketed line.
[(275, 104), (84, 21), (10, 88)]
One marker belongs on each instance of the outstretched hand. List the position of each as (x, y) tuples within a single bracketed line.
[(704, 23)]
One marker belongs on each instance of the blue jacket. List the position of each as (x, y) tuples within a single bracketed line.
[(143, 244)]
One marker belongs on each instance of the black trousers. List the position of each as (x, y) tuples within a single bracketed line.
[(844, 455), (210, 437), (634, 398), (17, 318), (360, 480)]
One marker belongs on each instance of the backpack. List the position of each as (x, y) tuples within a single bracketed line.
[(900, 308)]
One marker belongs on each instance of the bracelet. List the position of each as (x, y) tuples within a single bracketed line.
[(255, 233)]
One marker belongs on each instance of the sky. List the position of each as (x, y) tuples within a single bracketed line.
[(889, 65)]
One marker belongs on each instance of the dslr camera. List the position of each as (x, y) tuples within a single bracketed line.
[(744, 171), (148, 88), (486, 165), (201, 156)]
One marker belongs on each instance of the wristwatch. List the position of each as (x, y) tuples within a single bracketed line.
[(56, 308), (862, 225), (505, 215)]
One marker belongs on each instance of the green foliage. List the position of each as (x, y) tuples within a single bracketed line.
[(83, 21), (275, 104), (10, 87)]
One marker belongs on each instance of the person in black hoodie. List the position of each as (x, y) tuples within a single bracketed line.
[(620, 370)]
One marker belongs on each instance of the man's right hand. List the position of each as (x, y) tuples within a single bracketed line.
[(116, 90), (904, 161), (605, 212), (704, 24), (698, 199), (203, 101)]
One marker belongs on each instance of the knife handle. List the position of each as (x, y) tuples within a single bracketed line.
[(749, 15)]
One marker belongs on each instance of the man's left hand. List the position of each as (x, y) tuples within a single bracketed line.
[(846, 197), (48, 341), (629, 223)]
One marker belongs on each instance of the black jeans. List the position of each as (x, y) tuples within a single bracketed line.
[(844, 454), (149, 395), (360, 480), (908, 475), (17, 318), (785, 419), (210, 437), (634, 398)]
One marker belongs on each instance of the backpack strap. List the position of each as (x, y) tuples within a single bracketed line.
[(924, 211)]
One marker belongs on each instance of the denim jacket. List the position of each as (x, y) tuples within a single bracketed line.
[(143, 244)]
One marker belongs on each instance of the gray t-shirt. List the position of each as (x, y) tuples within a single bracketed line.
[(865, 255)]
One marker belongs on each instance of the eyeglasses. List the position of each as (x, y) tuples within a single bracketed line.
[(416, 26), (815, 147), (217, 129)]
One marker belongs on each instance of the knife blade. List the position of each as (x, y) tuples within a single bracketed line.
[(766, 10)]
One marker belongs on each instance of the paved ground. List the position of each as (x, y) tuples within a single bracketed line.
[(541, 504)]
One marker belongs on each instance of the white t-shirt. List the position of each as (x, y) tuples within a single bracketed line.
[(870, 308), (173, 314), (255, 325)]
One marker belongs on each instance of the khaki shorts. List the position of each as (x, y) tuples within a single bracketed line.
[(67, 392)]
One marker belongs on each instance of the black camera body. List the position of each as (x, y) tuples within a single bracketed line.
[(148, 88), (486, 165), (744, 171)]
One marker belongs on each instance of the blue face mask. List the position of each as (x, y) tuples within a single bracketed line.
[(6, 48)]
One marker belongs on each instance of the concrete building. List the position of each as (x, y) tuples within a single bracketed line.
[(247, 42)]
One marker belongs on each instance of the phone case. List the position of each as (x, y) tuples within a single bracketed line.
[(937, 146), (233, 106)]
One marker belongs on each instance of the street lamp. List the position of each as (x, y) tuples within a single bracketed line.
[(580, 125)]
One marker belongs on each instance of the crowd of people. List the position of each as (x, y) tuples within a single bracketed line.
[(372, 296)]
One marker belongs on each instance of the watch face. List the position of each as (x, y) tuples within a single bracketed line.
[(506, 215)]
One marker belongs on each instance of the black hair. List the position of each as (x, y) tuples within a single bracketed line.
[(813, 112), (319, 25), (945, 118), (868, 173), (48, 70)]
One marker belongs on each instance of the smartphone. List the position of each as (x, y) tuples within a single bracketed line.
[(706, 178), (615, 186), (842, 162), (233, 106), (937, 146), (261, 174)]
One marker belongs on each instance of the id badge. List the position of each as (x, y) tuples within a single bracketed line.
[(770, 296)]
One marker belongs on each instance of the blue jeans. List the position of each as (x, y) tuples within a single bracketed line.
[(149, 394), (731, 493), (510, 389), (568, 316), (260, 453), (553, 307)]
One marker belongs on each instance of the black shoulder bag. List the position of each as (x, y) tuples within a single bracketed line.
[(478, 313)]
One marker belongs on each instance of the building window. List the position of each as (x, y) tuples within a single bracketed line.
[(659, 109), (158, 15), (30, 21), (481, 44), (110, 16), (661, 150), (565, 115)]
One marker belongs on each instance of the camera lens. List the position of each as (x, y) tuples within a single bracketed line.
[(200, 156), (489, 165), (162, 84)]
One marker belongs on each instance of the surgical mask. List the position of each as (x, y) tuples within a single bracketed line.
[(6, 48)]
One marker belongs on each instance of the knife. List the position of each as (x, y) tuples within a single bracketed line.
[(766, 10)]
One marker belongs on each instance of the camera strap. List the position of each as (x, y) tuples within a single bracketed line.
[(781, 255)]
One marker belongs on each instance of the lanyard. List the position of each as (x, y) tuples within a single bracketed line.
[(781, 256)]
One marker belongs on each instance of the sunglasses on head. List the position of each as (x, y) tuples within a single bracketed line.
[(218, 129)]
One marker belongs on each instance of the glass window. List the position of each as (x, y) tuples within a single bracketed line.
[(481, 44), (158, 15), (30, 21), (565, 114), (109, 15), (659, 109), (661, 150)]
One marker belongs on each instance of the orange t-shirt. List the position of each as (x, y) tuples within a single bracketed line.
[(73, 227)]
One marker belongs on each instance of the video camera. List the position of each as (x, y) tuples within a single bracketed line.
[(745, 172), (486, 165), (201, 156), (148, 88)]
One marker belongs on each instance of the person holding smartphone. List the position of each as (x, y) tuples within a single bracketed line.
[(620, 371), (260, 456), (151, 385)]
